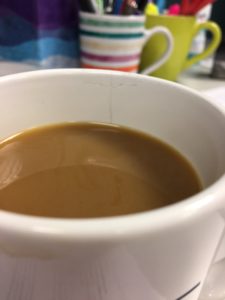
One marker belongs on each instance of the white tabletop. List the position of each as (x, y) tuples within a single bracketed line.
[(197, 77)]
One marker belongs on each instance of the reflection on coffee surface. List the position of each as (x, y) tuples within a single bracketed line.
[(87, 170)]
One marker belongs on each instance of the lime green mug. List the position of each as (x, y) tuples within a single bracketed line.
[(183, 29)]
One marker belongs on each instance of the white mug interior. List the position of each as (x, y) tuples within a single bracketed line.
[(166, 110)]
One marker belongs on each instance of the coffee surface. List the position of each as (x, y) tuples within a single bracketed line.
[(87, 170)]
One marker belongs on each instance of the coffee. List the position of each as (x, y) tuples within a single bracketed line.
[(87, 170)]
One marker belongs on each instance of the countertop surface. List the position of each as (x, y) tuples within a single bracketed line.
[(197, 77)]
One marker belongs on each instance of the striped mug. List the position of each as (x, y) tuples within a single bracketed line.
[(116, 42)]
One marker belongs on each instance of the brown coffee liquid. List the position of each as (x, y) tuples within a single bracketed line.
[(87, 170)]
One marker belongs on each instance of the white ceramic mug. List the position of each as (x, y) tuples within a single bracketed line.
[(116, 42), (164, 254)]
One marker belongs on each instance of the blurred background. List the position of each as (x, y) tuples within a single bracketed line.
[(39, 32), (44, 34)]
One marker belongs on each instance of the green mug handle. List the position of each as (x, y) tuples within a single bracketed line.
[(216, 39)]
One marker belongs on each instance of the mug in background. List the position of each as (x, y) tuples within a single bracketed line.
[(116, 42), (184, 29), (162, 254)]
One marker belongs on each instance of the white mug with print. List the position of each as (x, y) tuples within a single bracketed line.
[(115, 42)]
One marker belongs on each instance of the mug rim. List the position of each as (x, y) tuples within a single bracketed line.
[(109, 228), (172, 17), (132, 18)]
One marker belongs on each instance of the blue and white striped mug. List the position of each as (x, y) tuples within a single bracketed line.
[(116, 42)]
